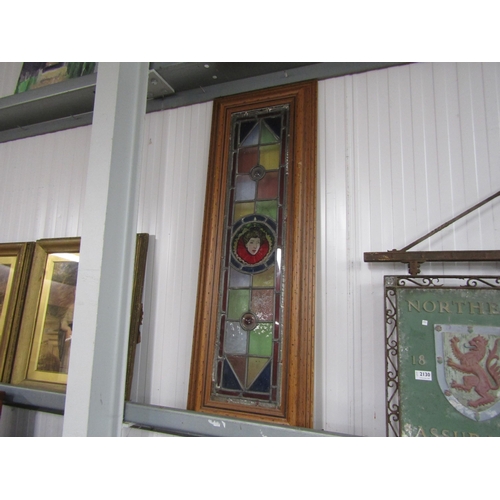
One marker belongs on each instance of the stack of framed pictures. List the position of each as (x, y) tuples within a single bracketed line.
[(38, 283)]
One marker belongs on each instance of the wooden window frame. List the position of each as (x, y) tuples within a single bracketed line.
[(296, 407)]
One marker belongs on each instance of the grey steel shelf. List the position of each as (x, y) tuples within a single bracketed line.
[(62, 105), (70, 104), (161, 419)]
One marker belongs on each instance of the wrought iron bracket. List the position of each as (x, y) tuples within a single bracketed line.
[(415, 259)]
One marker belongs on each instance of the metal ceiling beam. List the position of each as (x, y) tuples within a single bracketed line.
[(319, 71)]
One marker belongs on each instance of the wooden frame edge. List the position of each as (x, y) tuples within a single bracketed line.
[(297, 408)]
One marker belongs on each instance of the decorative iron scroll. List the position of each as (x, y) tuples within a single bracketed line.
[(442, 355)]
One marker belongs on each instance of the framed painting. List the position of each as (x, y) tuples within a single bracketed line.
[(443, 356), (15, 261), (253, 348), (44, 347)]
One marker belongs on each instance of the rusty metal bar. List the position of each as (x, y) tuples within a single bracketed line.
[(438, 256), (446, 224), (415, 259)]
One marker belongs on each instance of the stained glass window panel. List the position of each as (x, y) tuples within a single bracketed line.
[(254, 225)]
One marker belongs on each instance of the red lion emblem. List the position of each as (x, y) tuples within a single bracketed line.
[(481, 379)]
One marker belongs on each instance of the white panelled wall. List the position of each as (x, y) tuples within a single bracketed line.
[(401, 151)]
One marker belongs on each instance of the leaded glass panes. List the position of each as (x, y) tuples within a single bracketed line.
[(249, 312)]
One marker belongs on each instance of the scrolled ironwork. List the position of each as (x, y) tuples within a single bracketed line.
[(476, 282)]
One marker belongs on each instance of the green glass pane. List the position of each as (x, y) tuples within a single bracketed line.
[(270, 157), (266, 136), (264, 279), (242, 209), (239, 303), (267, 208), (261, 340)]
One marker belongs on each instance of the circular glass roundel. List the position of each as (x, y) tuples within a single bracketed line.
[(253, 244), (248, 321), (257, 172)]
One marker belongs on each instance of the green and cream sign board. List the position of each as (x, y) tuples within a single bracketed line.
[(443, 361)]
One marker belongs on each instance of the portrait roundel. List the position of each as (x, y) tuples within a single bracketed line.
[(252, 244)]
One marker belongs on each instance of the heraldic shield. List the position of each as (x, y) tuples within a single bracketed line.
[(468, 368)]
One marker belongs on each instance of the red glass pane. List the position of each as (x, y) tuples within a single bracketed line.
[(247, 159), (268, 187)]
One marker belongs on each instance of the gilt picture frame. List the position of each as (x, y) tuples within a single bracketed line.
[(43, 350), (15, 262), (44, 346)]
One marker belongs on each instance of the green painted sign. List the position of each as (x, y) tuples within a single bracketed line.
[(448, 361)]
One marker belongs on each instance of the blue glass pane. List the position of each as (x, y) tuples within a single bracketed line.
[(263, 382), (229, 380)]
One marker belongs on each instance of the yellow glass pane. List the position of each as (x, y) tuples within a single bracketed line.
[(270, 156), (242, 209), (264, 279), (255, 367)]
